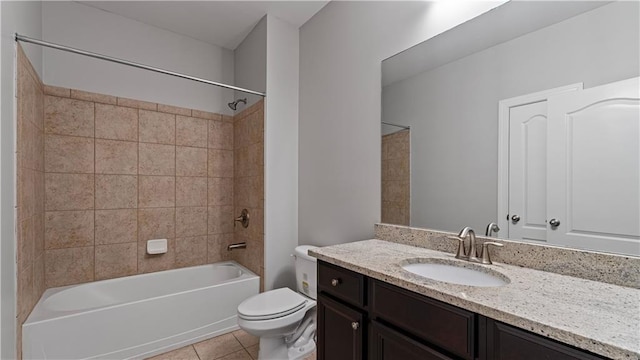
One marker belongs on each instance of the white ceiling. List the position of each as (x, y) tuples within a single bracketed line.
[(221, 23)]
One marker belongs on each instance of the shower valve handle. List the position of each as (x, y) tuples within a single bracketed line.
[(243, 218)]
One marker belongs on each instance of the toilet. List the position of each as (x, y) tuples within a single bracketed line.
[(285, 320)]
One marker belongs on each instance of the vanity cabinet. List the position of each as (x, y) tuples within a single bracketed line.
[(506, 342), (388, 344), (341, 331), (443, 326), (342, 316), (364, 318)]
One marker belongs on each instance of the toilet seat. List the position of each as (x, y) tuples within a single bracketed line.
[(272, 304)]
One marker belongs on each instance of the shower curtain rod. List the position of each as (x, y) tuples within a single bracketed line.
[(400, 126), (27, 39)]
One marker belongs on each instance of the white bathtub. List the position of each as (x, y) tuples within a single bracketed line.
[(137, 316)]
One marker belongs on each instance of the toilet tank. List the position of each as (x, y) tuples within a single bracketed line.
[(306, 271)]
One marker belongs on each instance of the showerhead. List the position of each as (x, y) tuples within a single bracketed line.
[(234, 105)]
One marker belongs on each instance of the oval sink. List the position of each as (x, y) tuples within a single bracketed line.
[(455, 272)]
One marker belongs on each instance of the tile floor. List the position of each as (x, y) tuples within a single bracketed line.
[(237, 345)]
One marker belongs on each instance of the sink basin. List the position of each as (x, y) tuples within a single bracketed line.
[(456, 273)]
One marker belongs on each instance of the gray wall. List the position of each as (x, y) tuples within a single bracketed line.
[(250, 64), (25, 18), (281, 153), (453, 109), (341, 48), (268, 60), (85, 27)]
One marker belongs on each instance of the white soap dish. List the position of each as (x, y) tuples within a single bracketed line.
[(157, 246)]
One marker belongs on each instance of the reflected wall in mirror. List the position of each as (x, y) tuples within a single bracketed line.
[(522, 117)]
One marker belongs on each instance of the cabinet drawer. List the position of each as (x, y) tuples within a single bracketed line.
[(442, 325), (387, 344), (506, 342), (341, 283)]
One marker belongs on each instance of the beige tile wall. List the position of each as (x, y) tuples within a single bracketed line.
[(396, 175), (100, 175), (119, 172), (30, 191), (248, 168)]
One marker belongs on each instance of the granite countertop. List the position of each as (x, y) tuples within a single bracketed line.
[(591, 315)]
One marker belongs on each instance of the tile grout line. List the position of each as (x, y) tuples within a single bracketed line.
[(195, 351), (50, 133), (156, 106), (138, 193), (207, 192), (175, 181), (94, 192)]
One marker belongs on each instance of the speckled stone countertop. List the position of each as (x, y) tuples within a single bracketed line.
[(595, 316)]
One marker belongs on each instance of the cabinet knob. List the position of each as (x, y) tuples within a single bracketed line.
[(335, 282), (515, 218), (554, 222), (355, 325)]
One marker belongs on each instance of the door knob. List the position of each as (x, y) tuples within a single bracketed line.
[(355, 325), (554, 222), (515, 219)]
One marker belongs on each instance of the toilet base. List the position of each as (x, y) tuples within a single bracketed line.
[(300, 352), (276, 349)]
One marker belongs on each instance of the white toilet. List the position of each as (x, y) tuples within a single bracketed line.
[(285, 320)]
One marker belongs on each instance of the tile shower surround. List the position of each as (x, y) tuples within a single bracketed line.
[(396, 178), (99, 175), (30, 191), (248, 171), (119, 172)]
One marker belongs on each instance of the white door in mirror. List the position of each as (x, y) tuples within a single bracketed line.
[(593, 188), (528, 171), (574, 167)]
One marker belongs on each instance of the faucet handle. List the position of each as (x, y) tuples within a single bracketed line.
[(491, 228), (460, 254), (486, 258)]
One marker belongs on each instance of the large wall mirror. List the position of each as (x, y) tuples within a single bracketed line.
[(528, 117)]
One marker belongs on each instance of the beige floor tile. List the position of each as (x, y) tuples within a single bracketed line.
[(218, 347), (223, 347), (253, 351), (245, 338), (238, 355), (311, 356), (185, 353)]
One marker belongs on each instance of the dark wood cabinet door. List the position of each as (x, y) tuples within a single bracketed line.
[(388, 344), (340, 331), (506, 342), (441, 325)]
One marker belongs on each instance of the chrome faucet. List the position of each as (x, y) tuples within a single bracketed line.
[(491, 228), (472, 254)]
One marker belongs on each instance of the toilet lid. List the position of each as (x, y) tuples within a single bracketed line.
[(271, 304)]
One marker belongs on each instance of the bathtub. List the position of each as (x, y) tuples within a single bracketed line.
[(137, 316)]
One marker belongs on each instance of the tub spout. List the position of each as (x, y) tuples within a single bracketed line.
[(242, 245)]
